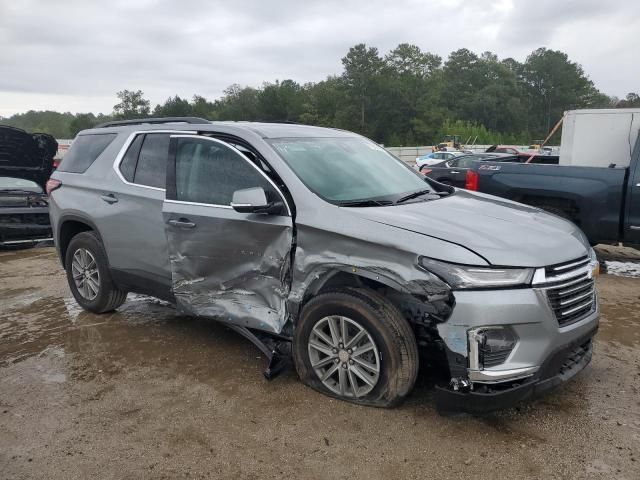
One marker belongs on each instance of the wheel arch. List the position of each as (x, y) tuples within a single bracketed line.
[(69, 226), (344, 276), (337, 276)]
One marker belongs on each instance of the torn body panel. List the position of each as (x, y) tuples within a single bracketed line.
[(322, 254), (243, 281)]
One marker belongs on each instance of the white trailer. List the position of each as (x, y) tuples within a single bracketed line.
[(599, 137)]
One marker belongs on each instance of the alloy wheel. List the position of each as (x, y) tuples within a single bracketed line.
[(85, 273), (344, 355)]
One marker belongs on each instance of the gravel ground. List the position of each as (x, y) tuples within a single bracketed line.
[(146, 393)]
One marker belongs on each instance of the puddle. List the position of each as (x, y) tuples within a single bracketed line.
[(143, 332)]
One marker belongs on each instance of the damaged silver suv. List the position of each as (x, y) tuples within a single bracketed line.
[(318, 245)]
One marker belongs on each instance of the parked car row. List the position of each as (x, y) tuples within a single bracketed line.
[(454, 170)]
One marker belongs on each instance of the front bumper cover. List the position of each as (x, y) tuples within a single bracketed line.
[(561, 366)]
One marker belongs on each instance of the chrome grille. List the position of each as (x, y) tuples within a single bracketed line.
[(570, 289)]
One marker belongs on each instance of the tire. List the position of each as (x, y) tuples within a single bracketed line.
[(105, 297), (396, 351)]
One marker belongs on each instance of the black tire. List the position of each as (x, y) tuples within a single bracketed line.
[(396, 343), (108, 297)]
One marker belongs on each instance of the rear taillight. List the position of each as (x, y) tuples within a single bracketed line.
[(472, 181), (424, 171), (52, 184)]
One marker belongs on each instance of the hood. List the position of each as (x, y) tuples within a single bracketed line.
[(504, 233), (24, 155)]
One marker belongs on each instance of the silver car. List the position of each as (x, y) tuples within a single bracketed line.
[(286, 234)]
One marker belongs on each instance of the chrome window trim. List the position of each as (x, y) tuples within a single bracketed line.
[(198, 204), (215, 140), (125, 147)]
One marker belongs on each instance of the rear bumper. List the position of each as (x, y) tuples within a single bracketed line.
[(15, 234), (561, 366), (24, 225)]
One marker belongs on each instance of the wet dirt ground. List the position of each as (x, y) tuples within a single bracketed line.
[(146, 393)]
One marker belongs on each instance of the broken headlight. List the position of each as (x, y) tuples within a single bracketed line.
[(468, 276), (490, 346)]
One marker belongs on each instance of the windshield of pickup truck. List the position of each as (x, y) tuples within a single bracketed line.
[(349, 171)]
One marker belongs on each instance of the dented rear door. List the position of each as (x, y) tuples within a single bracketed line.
[(226, 265)]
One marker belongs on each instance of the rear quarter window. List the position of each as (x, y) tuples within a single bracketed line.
[(84, 151)]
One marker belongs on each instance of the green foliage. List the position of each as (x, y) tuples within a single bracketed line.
[(173, 107), (632, 100), (406, 97), (53, 123), (132, 105)]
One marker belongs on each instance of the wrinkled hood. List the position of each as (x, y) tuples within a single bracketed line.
[(24, 155), (503, 232)]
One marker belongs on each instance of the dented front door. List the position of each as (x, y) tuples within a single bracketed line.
[(228, 265)]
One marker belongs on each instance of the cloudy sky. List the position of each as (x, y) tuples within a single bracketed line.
[(74, 55)]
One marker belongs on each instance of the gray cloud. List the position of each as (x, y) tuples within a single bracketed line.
[(74, 55)]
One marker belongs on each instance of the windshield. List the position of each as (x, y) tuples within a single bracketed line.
[(342, 170), (10, 183)]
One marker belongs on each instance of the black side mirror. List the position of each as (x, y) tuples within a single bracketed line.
[(254, 200)]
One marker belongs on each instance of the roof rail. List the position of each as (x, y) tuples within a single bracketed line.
[(159, 120)]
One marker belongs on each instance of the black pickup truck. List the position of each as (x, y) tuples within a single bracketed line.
[(603, 202)]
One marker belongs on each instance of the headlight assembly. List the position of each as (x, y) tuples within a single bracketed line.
[(468, 276)]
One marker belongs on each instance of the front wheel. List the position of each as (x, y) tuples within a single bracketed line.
[(355, 345)]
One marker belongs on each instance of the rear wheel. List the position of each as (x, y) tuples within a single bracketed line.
[(355, 345), (88, 275)]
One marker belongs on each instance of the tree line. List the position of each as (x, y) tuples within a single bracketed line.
[(405, 97)]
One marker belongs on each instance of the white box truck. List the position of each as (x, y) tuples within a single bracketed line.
[(599, 137)]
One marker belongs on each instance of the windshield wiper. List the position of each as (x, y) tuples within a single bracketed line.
[(365, 203), (419, 193)]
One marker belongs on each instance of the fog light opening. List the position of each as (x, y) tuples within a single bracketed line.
[(490, 346)]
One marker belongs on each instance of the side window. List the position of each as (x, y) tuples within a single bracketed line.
[(152, 161), (209, 172), (128, 164), (84, 151), (465, 162), (453, 162)]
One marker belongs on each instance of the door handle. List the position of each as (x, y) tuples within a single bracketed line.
[(110, 198), (454, 171), (181, 223)]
